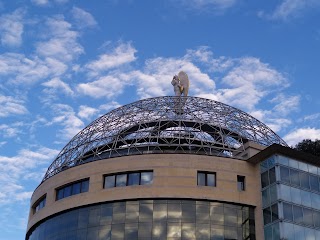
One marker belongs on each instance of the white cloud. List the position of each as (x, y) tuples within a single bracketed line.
[(250, 80), (87, 112), (40, 2), (122, 54), (108, 86), (13, 169), (286, 104), (11, 28), (82, 18), (208, 4), (11, 106), (9, 131), (61, 41), (57, 85), (66, 117), (298, 135), (290, 9)]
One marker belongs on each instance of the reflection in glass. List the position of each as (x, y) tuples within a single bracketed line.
[(314, 183), (110, 181), (284, 174), (133, 179), (174, 230), (297, 214), (188, 231), (294, 177), (146, 178), (121, 180), (211, 179)]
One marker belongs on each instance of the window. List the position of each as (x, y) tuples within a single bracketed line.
[(39, 204), (207, 179), (241, 183), (72, 189), (128, 179)]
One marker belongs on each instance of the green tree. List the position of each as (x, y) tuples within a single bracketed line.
[(309, 146)]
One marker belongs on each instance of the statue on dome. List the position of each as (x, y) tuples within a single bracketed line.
[(180, 84)]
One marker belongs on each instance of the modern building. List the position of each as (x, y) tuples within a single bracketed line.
[(177, 168)]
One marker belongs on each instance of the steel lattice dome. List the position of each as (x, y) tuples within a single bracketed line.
[(188, 125)]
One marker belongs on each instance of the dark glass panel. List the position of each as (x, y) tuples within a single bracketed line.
[(105, 232), (110, 181), (133, 179), (316, 218), (266, 216), (297, 214), (131, 231), (307, 216), (211, 179), (294, 177), (314, 183), (67, 191), (217, 232), (85, 186), (304, 180), (145, 230), (217, 215), (94, 216), (188, 231), (284, 174), (203, 231), (117, 232), (159, 231), (159, 212), (146, 212), (76, 188), (132, 212), (146, 178), (93, 233), (119, 212), (201, 179), (202, 213), (241, 183), (83, 218), (106, 214), (230, 215), (188, 212), (287, 211), (264, 179), (174, 230), (265, 197), (121, 180), (274, 211), (231, 233), (272, 175), (174, 212)]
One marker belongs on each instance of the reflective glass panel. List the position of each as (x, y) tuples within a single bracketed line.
[(85, 186), (76, 188), (294, 177), (304, 180), (146, 178), (284, 174), (287, 211), (272, 175), (314, 182), (297, 214), (211, 179), (264, 179), (121, 180), (307, 216), (201, 179), (133, 179), (110, 181)]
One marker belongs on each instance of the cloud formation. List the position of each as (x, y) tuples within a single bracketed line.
[(82, 18), (300, 134), (11, 28)]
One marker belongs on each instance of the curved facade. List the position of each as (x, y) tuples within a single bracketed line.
[(161, 168)]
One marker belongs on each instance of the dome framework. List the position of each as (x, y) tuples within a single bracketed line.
[(168, 124)]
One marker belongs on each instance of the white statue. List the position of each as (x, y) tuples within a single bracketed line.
[(180, 84)]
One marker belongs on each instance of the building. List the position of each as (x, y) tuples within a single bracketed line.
[(177, 168)]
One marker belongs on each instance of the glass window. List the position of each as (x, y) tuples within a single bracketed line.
[(316, 218), (241, 183), (266, 216), (263, 166), (188, 212), (272, 175), (265, 198), (306, 198), (201, 179), (284, 174), (304, 180), (121, 180), (60, 194), (146, 178), (297, 214), (160, 212), (76, 188), (312, 169), (283, 160), (133, 179), (294, 177), (174, 230), (211, 179), (188, 231), (273, 193), (203, 231), (307, 216), (295, 195), (314, 182), (303, 166), (285, 193), (67, 191), (40, 204), (274, 211), (85, 186), (287, 211), (110, 181), (293, 163), (264, 179)]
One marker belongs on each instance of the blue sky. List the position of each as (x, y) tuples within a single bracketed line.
[(63, 63)]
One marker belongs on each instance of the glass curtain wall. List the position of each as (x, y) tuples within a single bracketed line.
[(151, 219), (290, 199)]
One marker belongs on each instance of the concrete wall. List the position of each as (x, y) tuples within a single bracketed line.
[(175, 176)]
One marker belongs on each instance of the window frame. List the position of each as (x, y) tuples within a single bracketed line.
[(61, 189), (241, 183), (206, 173), (39, 204)]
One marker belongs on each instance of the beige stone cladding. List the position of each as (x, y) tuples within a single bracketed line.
[(175, 176)]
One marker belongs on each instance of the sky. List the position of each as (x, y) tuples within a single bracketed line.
[(64, 63)]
